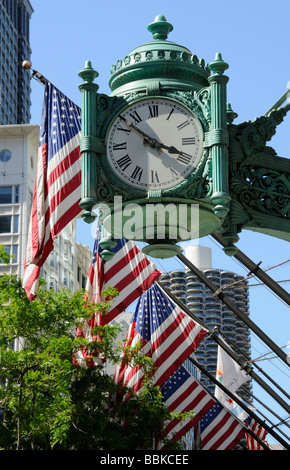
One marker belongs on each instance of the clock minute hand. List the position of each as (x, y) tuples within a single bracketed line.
[(147, 139), (131, 125)]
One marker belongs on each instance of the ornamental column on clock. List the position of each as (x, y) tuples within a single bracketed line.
[(218, 137), (89, 144)]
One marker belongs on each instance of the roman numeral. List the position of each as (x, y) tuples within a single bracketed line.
[(154, 176), (184, 158), (153, 111), (173, 172), (136, 117), (121, 146), (188, 141), (169, 115), (183, 125), (137, 173), (124, 162), (127, 131)]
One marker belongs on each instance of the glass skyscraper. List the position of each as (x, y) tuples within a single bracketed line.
[(15, 86)]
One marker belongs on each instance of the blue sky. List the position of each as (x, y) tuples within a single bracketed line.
[(253, 38)]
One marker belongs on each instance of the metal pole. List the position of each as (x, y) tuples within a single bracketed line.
[(244, 407), (234, 308), (258, 272), (255, 365), (26, 64), (250, 371), (278, 103), (268, 409), (243, 364)]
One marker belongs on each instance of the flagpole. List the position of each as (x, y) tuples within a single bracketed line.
[(218, 293), (26, 64), (273, 425), (258, 272), (244, 365), (267, 407), (254, 363), (244, 407), (250, 372)]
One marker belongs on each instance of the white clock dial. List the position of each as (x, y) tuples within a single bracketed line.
[(154, 144)]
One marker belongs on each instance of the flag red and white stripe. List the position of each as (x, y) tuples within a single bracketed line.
[(219, 429), (165, 333), (183, 393), (259, 431), (130, 272), (58, 181), (213, 427)]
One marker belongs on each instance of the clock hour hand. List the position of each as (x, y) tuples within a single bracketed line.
[(155, 144), (150, 140), (182, 157), (171, 149)]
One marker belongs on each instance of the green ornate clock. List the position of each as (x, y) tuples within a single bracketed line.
[(164, 140), (154, 144)]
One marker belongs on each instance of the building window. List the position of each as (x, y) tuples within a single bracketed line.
[(5, 155), (5, 223), (30, 199), (9, 194), (15, 253), (12, 251), (15, 224), (7, 248), (65, 276), (65, 250), (16, 195), (6, 195)]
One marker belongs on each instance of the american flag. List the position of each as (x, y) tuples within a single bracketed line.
[(183, 393), (166, 334), (260, 432), (58, 181), (130, 272), (218, 429)]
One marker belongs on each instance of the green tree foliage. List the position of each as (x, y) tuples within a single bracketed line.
[(46, 401)]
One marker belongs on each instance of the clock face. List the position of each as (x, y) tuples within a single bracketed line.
[(154, 144)]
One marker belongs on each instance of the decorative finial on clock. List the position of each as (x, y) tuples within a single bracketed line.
[(160, 28), (218, 66)]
